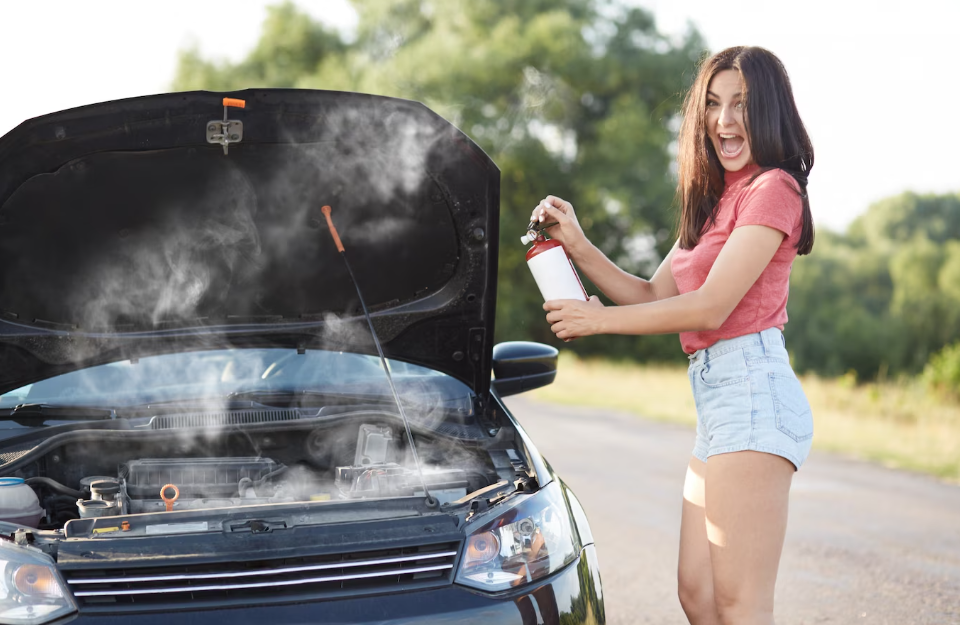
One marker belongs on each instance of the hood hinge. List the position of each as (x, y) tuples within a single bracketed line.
[(226, 131)]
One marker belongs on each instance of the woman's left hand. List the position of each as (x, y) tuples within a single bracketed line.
[(570, 318)]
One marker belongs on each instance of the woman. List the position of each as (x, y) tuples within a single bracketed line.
[(744, 157)]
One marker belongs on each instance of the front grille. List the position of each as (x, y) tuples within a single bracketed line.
[(264, 581)]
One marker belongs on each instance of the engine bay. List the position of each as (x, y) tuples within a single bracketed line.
[(108, 474)]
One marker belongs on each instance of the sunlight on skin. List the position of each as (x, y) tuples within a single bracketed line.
[(735, 518), (693, 486), (715, 534), (695, 572)]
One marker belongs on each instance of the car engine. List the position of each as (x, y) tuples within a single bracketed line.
[(308, 465)]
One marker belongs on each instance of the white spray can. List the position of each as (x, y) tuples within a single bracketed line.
[(553, 270)]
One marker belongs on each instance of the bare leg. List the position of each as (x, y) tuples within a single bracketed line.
[(694, 573), (747, 495)]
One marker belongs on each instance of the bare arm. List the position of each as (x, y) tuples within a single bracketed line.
[(624, 288), (621, 287), (741, 261)]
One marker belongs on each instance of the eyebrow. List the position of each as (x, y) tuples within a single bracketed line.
[(736, 95)]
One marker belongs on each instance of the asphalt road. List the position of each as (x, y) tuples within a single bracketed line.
[(865, 544)]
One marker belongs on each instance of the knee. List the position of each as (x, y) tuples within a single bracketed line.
[(738, 610), (696, 596)]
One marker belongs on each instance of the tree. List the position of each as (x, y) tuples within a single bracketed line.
[(290, 47), (577, 98), (839, 310), (883, 297)]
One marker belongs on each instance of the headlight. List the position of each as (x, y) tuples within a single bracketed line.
[(31, 590), (529, 540)]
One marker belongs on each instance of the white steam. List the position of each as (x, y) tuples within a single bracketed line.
[(163, 272)]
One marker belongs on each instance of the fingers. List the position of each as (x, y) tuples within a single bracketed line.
[(556, 318), (563, 333), (557, 304), (556, 202), (555, 315), (550, 206), (570, 319), (553, 212), (558, 329), (542, 211)]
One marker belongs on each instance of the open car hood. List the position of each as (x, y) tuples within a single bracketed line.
[(124, 232)]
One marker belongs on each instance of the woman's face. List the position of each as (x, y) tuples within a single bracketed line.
[(725, 120)]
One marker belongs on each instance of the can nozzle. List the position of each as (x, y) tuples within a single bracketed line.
[(535, 229)]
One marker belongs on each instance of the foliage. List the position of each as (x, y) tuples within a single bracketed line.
[(576, 98), (883, 297), (942, 373), (579, 98), (291, 46)]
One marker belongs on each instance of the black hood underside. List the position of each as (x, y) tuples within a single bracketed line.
[(124, 233)]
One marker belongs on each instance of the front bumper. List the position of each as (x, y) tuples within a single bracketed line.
[(573, 594)]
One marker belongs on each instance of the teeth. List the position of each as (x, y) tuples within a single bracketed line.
[(723, 136)]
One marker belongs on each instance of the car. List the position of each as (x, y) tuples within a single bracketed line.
[(247, 373)]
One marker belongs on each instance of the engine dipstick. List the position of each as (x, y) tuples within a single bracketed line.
[(169, 500)]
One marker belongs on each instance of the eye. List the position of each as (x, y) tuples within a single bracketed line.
[(712, 103), (740, 106)]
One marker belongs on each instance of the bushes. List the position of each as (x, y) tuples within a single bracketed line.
[(942, 373), (884, 297)]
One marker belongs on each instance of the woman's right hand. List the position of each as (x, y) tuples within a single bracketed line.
[(567, 230)]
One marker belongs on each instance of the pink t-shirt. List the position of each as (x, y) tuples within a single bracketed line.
[(771, 200)]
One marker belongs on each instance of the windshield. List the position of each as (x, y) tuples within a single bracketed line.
[(247, 373)]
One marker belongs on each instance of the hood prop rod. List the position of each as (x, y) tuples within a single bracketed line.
[(430, 501)]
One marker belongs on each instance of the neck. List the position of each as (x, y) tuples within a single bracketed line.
[(730, 177)]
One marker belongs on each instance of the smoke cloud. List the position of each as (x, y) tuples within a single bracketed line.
[(164, 271), (192, 237)]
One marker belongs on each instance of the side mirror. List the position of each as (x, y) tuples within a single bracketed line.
[(520, 366)]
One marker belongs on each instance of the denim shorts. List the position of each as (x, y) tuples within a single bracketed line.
[(748, 397)]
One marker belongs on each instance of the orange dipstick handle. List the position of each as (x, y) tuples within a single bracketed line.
[(333, 229), (169, 501), (235, 102)]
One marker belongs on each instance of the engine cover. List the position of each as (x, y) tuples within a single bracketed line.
[(194, 477)]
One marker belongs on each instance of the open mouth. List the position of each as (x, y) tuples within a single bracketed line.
[(731, 145)]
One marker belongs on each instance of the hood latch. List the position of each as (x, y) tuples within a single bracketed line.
[(226, 131)]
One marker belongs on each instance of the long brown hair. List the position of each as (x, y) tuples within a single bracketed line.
[(775, 133)]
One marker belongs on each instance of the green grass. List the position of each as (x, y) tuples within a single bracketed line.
[(894, 423)]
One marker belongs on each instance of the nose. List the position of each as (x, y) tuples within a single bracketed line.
[(727, 116)]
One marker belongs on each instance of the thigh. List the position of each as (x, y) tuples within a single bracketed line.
[(746, 497), (694, 570)]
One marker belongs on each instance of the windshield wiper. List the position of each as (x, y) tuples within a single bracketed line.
[(31, 413)]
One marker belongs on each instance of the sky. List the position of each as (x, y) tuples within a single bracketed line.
[(867, 75)]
